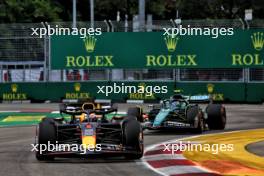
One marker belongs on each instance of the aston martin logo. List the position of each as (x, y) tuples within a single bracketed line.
[(171, 43), (257, 40), (77, 87), (14, 88), (89, 43)]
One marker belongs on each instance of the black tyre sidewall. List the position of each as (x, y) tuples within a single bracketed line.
[(46, 133), (216, 116), (132, 131), (136, 112)]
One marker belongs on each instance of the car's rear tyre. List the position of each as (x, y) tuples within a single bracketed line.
[(195, 118), (137, 112), (192, 112), (46, 134), (216, 116), (133, 137), (199, 128)]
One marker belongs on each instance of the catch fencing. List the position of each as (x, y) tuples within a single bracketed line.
[(26, 58)]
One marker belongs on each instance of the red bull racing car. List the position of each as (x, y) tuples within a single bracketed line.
[(89, 132)]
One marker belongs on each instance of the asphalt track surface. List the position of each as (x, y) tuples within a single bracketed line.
[(256, 148), (17, 159)]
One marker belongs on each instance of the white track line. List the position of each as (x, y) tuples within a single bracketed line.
[(9, 111), (163, 157), (174, 170)]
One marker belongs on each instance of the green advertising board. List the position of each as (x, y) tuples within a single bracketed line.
[(77, 90), (154, 50), (235, 92)]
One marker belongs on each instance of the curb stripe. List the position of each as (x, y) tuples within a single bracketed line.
[(177, 167), (153, 151), (170, 162), (197, 174), (160, 151), (176, 170), (162, 157)]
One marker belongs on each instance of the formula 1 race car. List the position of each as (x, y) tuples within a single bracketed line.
[(178, 112), (89, 131)]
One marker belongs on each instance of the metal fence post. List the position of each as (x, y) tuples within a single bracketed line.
[(45, 58), (112, 26), (108, 27)]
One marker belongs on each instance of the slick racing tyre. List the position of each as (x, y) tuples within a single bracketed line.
[(46, 133), (216, 114), (199, 124), (133, 137), (195, 118), (137, 112)]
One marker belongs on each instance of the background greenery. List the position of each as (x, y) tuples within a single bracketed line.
[(12, 11)]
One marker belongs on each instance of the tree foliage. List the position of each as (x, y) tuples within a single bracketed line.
[(28, 11), (61, 10)]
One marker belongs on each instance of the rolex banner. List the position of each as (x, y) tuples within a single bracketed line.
[(154, 50)]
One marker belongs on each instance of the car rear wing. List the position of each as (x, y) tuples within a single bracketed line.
[(71, 108), (79, 108), (199, 98)]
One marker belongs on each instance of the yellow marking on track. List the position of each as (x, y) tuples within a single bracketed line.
[(22, 118), (238, 162)]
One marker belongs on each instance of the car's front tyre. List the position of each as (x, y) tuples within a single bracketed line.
[(133, 137), (46, 134)]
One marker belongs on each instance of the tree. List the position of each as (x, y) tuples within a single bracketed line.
[(28, 11), (61, 10)]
